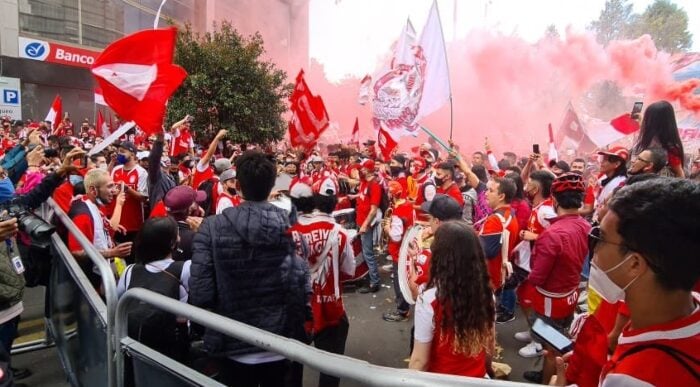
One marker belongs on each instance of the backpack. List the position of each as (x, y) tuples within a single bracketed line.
[(150, 325)]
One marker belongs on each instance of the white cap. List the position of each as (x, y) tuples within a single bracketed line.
[(327, 187), (142, 155), (301, 190), (316, 159)]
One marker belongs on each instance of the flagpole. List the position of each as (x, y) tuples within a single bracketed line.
[(436, 138), (155, 22), (447, 63)]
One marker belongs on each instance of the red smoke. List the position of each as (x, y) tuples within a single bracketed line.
[(509, 90)]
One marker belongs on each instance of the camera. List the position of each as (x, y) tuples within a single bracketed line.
[(38, 230)]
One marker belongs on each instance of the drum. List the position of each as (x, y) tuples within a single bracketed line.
[(345, 218), (411, 248)]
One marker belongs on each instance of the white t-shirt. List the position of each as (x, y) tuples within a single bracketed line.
[(424, 319), (101, 239)]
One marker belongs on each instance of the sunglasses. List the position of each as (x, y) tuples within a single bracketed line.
[(595, 238)]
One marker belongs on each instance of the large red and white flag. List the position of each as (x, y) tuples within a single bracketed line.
[(101, 125), (605, 133), (355, 139), (55, 112), (99, 98), (309, 115), (137, 76), (387, 143), (552, 154), (436, 79)]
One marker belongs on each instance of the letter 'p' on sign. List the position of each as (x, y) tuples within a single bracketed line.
[(10, 97)]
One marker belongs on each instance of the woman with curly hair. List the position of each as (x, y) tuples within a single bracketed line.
[(455, 313)]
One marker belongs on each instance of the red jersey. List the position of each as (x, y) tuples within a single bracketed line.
[(636, 363), (589, 196), (132, 212), (201, 174), (428, 329), (402, 218), (182, 142), (492, 241), (311, 234), (540, 215), (92, 222), (370, 195), (452, 191), (426, 193), (226, 200)]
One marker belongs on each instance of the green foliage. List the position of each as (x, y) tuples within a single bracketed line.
[(614, 21), (229, 86), (667, 24)]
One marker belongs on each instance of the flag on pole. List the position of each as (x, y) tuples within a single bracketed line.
[(101, 125), (386, 143), (436, 79), (553, 154), (356, 133), (111, 123), (309, 115), (55, 112), (137, 76), (99, 98), (605, 133), (363, 95)]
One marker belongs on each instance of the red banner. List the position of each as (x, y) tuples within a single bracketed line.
[(309, 115)]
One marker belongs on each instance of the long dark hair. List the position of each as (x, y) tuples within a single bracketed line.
[(458, 271), (659, 123)]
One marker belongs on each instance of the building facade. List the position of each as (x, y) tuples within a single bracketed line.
[(49, 45)]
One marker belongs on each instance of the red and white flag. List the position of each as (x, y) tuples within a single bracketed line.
[(55, 112), (101, 125), (309, 115), (605, 133), (137, 76), (356, 133), (436, 82), (365, 85), (387, 143), (552, 154), (99, 98)]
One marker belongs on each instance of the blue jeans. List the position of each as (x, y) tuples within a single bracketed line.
[(8, 333), (508, 300), (368, 254)]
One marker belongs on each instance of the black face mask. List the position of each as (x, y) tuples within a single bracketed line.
[(395, 171), (438, 181), (231, 191)]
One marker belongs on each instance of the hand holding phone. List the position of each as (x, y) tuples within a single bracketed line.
[(536, 149), (636, 109), (551, 336)]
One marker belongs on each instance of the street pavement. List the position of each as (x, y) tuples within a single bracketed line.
[(370, 338)]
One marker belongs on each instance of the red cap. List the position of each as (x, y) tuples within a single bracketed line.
[(616, 151), (368, 164)]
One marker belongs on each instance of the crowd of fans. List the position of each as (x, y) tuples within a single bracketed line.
[(602, 248)]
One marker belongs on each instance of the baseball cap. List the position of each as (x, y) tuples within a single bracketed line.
[(128, 145), (369, 142), (316, 159), (181, 198), (327, 187), (561, 164), (442, 207), (300, 190), (142, 155), (227, 175), (222, 164), (368, 164), (616, 151)]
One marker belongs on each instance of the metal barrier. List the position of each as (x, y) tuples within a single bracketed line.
[(93, 316), (328, 363)]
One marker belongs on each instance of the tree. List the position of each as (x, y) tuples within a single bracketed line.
[(229, 86), (614, 21), (667, 24)]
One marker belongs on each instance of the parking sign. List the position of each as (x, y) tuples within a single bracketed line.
[(10, 98)]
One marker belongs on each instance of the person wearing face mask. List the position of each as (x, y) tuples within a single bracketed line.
[(445, 182), (645, 253), (229, 197), (182, 204), (87, 214), (416, 178), (366, 207), (135, 181), (397, 170), (551, 288)]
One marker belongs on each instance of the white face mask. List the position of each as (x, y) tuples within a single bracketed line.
[(599, 281)]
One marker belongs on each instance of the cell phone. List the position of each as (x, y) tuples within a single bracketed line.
[(551, 336), (636, 109), (536, 149), (122, 187)]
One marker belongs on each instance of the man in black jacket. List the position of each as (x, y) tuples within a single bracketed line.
[(244, 267)]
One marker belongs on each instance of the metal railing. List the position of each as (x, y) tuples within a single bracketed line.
[(104, 310), (328, 363)]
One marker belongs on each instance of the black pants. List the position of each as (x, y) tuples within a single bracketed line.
[(401, 305), (331, 339), (233, 373)]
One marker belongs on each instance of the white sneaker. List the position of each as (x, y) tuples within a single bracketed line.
[(523, 336), (531, 350)]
